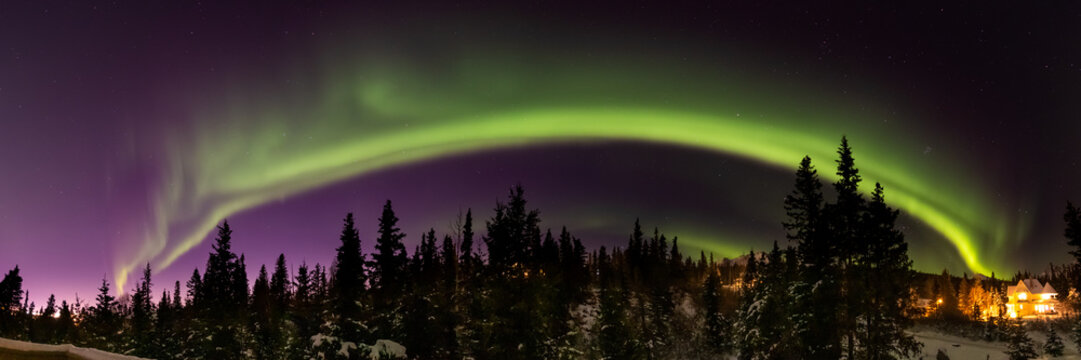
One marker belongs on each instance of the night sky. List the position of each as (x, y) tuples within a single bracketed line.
[(128, 130)]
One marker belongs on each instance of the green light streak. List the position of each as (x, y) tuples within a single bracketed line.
[(252, 153)]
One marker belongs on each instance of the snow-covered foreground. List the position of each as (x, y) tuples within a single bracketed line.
[(25, 350), (959, 348)]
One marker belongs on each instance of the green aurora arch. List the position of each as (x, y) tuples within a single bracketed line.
[(257, 150), (771, 146)]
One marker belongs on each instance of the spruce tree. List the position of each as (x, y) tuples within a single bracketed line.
[(304, 313), (261, 325), (142, 318), (165, 338), (449, 314), (511, 233), (280, 288), (716, 325), (11, 295), (222, 298), (467, 258), (614, 339), (388, 272), (518, 324), (103, 322), (349, 279), (66, 332), (887, 278), (44, 329), (1020, 346), (1054, 346)]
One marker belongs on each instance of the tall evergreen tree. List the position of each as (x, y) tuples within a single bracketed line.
[(887, 282), (66, 332), (142, 323), (766, 330), (1054, 346), (304, 313), (716, 328), (261, 325), (844, 229), (518, 326), (223, 298), (388, 272), (280, 288), (1020, 345), (614, 338), (349, 279), (467, 258), (511, 232), (11, 295), (103, 323), (449, 261)]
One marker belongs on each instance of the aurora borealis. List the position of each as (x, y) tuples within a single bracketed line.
[(133, 129)]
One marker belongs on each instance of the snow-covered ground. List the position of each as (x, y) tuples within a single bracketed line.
[(26, 350), (959, 348)]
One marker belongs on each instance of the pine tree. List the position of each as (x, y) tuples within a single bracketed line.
[(803, 208), (388, 272), (750, 272), (716, 325), (614, 338), (194, 286), (948, 308), (304, 313), (844, 226), (280, 288), (349, 279), (222, 297), (45, 327), (449, 314), (165, 338), (66, 332), (11, 295), (261, 325), (1020, 346), (765, 330), (142, 318), (467, 259), (887, 282), (518, 323), (1053, 347), (103, 323)]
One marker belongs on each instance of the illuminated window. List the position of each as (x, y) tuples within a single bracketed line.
[(1022, 296), (1046, 296)]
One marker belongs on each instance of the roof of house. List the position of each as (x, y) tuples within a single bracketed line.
[(1031, 286)]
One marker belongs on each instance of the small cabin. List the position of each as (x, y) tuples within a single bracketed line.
[(1030, 298)]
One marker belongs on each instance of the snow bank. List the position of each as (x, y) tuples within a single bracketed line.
[(30, 350), (388, 348), (959, 348)]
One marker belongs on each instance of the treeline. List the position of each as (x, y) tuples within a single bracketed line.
[(514, 293), (843, 288)]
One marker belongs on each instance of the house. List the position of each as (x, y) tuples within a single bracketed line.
[(1030, 298)]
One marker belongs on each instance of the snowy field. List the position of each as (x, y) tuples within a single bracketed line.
[(959, 348), (13, 349), (956, 347)]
